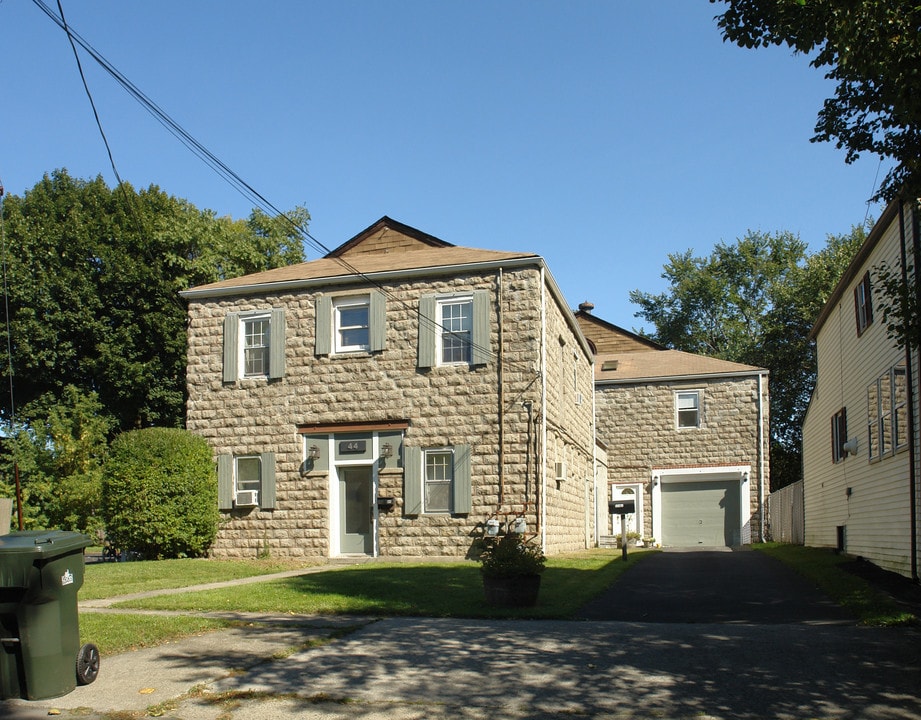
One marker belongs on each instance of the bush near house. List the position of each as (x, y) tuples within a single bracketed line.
[(159, 490)]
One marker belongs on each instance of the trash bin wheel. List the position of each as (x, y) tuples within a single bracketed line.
[(87, 664)]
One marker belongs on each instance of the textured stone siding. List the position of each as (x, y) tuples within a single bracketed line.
[(445, 406), (637, 424)]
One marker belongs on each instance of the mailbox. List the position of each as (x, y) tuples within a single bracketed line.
[(621, 507), (385, 503)]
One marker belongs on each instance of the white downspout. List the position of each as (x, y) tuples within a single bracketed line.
[(761, 455), (543, 410)]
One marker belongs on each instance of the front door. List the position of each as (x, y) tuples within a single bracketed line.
[(356, 511)]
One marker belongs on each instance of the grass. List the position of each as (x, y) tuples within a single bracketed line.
[(104, 580), (116, 633), (823, 567), (424, 589)]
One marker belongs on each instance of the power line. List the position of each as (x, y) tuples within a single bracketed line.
[(212, 161)]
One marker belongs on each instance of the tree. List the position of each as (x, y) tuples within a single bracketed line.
[(872, 49), (60, 445), (93, 282), (755, 302), (159, 490)]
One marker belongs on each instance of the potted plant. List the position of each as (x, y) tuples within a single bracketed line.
[(632, 537), (511, 569)]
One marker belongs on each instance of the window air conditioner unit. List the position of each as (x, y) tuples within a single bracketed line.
[(247, 498), (559, 470)]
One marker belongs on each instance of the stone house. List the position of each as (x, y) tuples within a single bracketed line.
[(686, 438), (860, 434), (392, 398)]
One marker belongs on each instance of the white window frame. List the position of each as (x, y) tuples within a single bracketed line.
[(249, 484), (447, 466), (347, 302), (265, 347), (887, 411), (698, 395), (445, 330)]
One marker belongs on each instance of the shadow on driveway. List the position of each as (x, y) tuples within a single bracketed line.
[(714, 586)]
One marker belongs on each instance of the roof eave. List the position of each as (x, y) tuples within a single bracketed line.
[(675, 378)]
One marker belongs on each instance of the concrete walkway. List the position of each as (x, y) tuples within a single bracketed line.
[(423, 668)]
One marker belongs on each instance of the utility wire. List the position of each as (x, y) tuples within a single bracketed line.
[(215, 163)]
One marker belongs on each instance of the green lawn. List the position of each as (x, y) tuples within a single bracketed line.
[(422, 589)]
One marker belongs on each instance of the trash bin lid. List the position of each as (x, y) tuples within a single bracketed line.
[(18, 552), (41, 544)]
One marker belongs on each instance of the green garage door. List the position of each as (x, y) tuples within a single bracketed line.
[(704, 512)]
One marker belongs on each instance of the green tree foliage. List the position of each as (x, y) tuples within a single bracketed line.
[(60, 446), (159, 490), (872, 50), (755, 302), (93, 282)]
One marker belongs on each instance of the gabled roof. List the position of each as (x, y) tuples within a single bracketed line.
[(633, 367), (385, 249), (606, 337)]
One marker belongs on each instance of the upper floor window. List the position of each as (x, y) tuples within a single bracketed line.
[(454, 329), (887, 412), (863, 304), (351, 323), (254, 345), (838, 435), (687, 409), (454, 334)]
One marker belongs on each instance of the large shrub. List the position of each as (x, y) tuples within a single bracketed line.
[(159, 490)]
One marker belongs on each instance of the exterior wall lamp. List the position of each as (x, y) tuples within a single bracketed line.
[(386, 450), (313, 453)]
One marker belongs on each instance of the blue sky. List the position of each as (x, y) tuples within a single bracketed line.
[(601, 135)]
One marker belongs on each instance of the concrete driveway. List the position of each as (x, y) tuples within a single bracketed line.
[(714, 586)]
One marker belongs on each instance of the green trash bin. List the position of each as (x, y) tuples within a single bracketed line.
[(40, 652)]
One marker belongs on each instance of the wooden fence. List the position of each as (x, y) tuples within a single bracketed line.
[(786, 520)]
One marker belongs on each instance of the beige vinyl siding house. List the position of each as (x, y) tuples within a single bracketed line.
[(388, 399), (857, 435), (686, 439)]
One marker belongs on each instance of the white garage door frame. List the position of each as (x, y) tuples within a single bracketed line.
[(740, 473)]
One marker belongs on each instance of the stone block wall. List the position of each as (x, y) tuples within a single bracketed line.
[(637, 424), (445, 406)]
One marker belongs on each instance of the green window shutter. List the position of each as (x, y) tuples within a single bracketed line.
[(324, 335), (480, 351), (231, 346), (277, 344), (225, 482), (462, 483), (427, 329), (267, 495), (377, 318), (412, 481)]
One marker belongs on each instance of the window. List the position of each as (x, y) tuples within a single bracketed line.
[(454, 329), (454, 334), (254, 345), (437, 480), (687, 409), (838, 435), (887, 412), (351, 323), (863, 304), (246, 481), (439, 475)]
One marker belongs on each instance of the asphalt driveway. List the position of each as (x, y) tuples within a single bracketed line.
[(714, 586)]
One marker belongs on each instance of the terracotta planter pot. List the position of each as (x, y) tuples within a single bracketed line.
[(514, 591)]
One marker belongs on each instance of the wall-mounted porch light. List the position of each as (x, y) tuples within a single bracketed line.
[(386, 450), (313, 453)]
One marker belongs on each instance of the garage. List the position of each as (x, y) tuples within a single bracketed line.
[(703, 509)]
